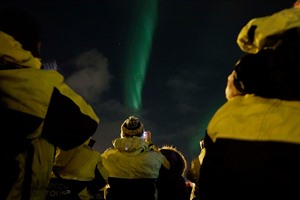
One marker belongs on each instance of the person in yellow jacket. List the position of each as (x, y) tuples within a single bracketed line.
[(80, 171), (193, 172), (38, 111), (252, 142), (133, 163)]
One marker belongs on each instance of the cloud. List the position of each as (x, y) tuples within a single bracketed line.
[(183, 87), (91, 77)]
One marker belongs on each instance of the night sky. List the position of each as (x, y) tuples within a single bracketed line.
[(179, 52)]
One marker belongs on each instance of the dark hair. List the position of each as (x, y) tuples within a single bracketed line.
[(23, 27), (176, 159), (272, 72)]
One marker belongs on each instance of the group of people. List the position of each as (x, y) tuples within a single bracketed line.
[(250, 149), (40, 113)]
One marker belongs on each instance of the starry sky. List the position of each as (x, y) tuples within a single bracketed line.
[(164, 61)]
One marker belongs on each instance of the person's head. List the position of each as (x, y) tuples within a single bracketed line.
[(132, 126), (23, 27), (176, 159), (272, 72)]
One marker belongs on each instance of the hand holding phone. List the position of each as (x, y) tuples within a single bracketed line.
[(147, 136)]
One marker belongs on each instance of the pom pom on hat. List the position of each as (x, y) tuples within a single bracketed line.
[(132, 127)]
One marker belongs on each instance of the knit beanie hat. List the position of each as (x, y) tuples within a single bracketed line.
[(22, 27), (132, 127)]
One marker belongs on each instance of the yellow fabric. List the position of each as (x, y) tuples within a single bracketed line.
[(23, 98), (85, 195), (42, 166), (11, 50), (260, 119), (139, 163), (29, 89), (78, 163), (267, 26), (35, 101), (82, 104), (166, 163)]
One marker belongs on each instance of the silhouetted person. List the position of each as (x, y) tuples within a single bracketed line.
[(38, 111), (253, 140), (171, 183)]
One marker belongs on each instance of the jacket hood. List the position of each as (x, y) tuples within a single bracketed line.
[(130, 144), (11, 51)]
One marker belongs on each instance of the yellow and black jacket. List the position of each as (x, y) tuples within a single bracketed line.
[(81, 172), (133, 168), (252, 150), (38, 111)]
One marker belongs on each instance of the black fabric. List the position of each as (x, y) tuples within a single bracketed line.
[(98, 196), (65, 126), (10, 174), (18, 126), (26, 191), (251, 33), (97, 183), (23, 27), (60, 188), (171, 186), (4, 65), (64, 189), (176, 159), (245, 169), (133, 189)]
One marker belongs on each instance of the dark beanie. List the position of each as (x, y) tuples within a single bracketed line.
[(23, 27), (176, 159), (274, 72)]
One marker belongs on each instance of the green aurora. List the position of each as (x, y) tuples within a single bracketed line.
[(141, 33)]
